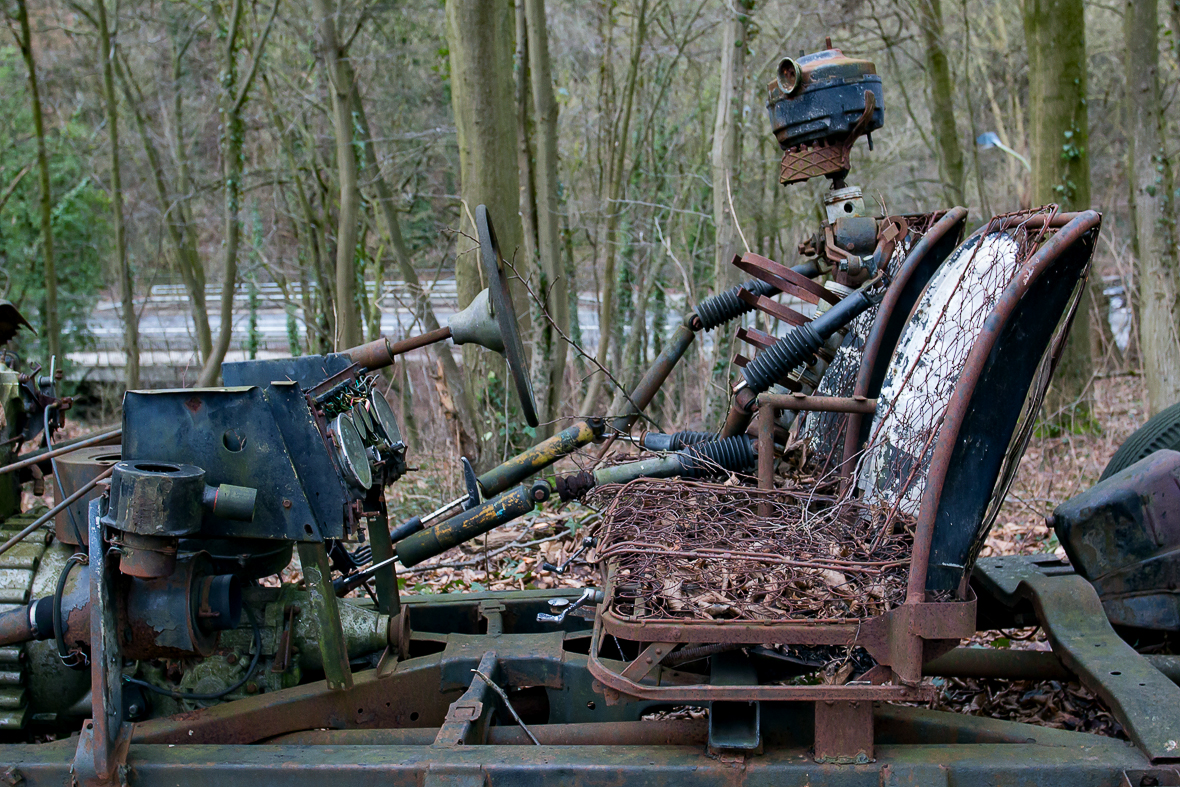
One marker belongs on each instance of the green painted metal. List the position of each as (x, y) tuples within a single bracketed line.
[(313, 558)]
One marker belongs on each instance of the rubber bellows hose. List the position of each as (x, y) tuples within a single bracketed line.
[(733, 454), (654, 441), (724, 306), (775, 362)]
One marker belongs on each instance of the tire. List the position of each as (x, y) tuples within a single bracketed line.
[(1159, 433)]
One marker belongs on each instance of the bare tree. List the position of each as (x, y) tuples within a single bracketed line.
[(348, 325), (1154, 208), (107, 58), (480, 37), (1055, 38), (942, 100), (616, 180), (24, 42), (235, 93)]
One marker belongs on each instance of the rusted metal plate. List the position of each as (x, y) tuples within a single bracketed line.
[(784, 279), (844, 732)]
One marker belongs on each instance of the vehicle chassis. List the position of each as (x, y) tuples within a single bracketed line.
[(428, 720)]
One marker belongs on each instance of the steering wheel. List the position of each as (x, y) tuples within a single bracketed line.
[(505, 313)]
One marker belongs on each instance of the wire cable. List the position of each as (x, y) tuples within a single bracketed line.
[(183, 695), (77, 659)]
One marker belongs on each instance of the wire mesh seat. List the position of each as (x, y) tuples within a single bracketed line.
[(883, 562)]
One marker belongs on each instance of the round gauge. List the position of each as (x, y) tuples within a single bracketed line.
[(384, 418), (350, 450), (364, 422)]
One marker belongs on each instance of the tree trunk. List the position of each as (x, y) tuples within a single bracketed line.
[(315, 238), (106, 57), (234, 92), (942, 101), (617, 178), (176, 228), (1055, 38), (726, 160), (727, 143), (348, 325), (549, 246), (453, 377), (1154, 209), (51, 327), (480, 34), (527, 198), (191, 265)]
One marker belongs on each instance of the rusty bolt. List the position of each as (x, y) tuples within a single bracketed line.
[(251, 688), (231, 658), (286, 503), (648, 659)]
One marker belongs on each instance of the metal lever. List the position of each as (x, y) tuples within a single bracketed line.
[(589, 596), (587, 543)]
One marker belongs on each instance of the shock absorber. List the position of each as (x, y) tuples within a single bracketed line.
[(801, 344), (701, 460)]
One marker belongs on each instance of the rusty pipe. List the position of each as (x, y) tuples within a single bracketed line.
[(741, 412), (380, 352), (651, 382), (51, 513), (62, 450), (19, 625), (766, 417), (823, 404), (540, 456)]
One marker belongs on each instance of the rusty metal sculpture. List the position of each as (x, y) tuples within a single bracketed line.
[(139, 647)]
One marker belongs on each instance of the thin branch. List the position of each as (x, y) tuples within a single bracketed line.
[(259, 46), (492, 685)]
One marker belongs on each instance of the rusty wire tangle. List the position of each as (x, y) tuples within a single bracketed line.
[(683, 550)]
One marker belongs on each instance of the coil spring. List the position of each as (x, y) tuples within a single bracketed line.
[(724, 306), (733, 454), (773, 363)]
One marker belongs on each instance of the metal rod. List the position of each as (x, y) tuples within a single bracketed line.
[(445, 509), (380, 352), (39, 457), (829, 404), (766, 415), (51, 513)]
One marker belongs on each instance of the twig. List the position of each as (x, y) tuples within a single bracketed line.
[(492, 685), (733, 213)]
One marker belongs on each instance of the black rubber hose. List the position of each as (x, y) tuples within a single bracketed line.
[(733, 454), (73, 660), (775, 362), (802, 342), (656, 441), (724, 306), (184, 695)]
